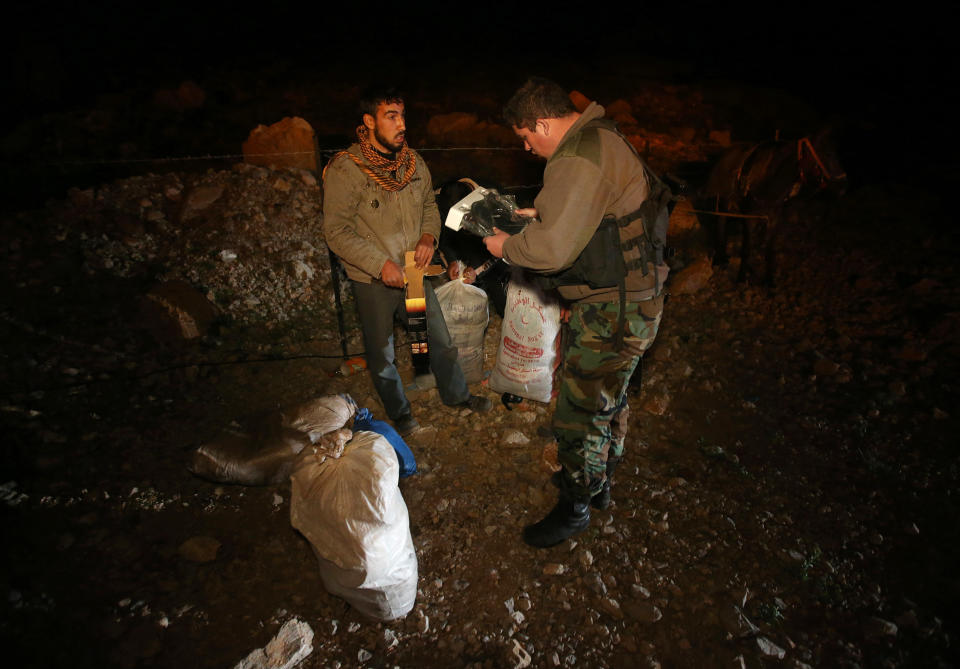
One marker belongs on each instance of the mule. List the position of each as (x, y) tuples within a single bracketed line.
[(753, 183)]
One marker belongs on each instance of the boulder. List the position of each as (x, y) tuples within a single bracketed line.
[(579, 100), (692, 278), (188, 95), (287, 143), (175, 311), (682, 219), (465, 129), (198, 199)]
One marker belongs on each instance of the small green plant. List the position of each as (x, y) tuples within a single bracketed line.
[(770, 613), (809, 562)]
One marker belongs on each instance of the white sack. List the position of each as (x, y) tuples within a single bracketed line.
[(527, 351), (352, 512), (466, 313)]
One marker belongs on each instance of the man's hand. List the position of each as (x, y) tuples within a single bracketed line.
[(457, 267), (530, 212), (392, 274), (423, 254), (495, 242)]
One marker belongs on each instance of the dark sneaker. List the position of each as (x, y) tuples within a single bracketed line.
[(477, 403), (406, 425)]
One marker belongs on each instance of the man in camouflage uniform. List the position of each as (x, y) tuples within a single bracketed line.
[(591, 175)]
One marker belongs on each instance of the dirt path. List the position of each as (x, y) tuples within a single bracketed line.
[(789, 492)]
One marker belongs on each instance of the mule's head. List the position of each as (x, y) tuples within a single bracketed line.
[(819, 162)]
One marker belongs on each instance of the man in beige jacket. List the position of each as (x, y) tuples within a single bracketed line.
[(378, 205)]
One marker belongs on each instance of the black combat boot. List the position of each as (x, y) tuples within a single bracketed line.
[(601, 501), (570, 516)]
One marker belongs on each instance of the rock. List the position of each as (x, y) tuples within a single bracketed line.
[(643, 612), (769, 649), (287, 143), (515, 438), (612, 606), (198, 200), (719, 137), (825, 367), (682, 219), (553, 569), (517, 656), (878, 628), (175, 311), (618, 106), (736, 623), (579, 100), (913, 351), (595, 583), (287, 649), (465, 128), (691, 279), (199, 549), (657, 404), (188, 95)]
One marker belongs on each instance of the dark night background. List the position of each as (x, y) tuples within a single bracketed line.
[(888, 71)]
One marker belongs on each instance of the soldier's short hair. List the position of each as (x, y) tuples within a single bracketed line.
[(537, 98)]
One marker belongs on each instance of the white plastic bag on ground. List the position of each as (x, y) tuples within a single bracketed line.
[(263, 450), (352, 513), (527, 351), (319, 416), (466, 313)]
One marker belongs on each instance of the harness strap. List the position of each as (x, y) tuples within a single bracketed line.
[(805, 142)]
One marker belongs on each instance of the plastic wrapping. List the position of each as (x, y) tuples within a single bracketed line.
[(352, 513), (482, 210), (262, 451), (466, 313), (527, 355), (237, 456)]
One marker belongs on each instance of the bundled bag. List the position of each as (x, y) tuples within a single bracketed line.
[(263, 450), (352, 513), (484, 209), (364, 421), (466, 312), (527, 352)]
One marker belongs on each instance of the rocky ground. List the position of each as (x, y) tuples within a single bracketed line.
[(788, 499)]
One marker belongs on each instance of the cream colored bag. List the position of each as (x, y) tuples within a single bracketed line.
[(352, 513)]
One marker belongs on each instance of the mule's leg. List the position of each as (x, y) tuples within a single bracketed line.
[(747, 228), (720, 258), (770, 249)]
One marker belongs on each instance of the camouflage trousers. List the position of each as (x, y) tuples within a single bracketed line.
[(590, 421)]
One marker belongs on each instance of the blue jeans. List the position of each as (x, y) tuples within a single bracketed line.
[(377, 307)]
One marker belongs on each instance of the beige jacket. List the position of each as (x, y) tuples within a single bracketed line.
[(366, 225), (579, 187)]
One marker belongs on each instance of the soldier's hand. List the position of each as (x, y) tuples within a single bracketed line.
[(392, 274), (494, 242)]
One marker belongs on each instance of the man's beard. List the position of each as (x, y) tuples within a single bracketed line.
[(385, 143)]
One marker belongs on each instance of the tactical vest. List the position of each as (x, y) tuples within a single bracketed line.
[(621, 248)]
